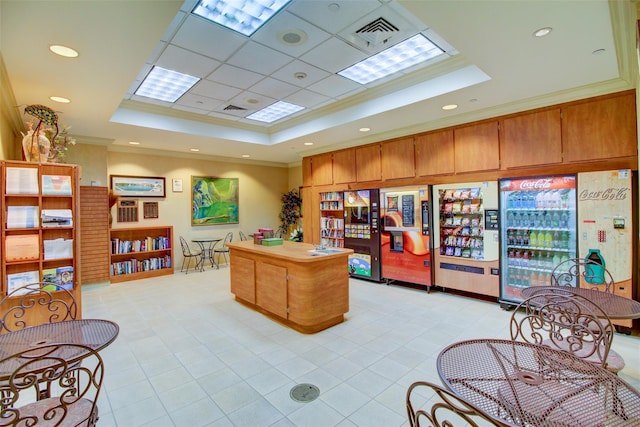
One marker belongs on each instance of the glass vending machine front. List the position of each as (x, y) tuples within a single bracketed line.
[(538, 231)]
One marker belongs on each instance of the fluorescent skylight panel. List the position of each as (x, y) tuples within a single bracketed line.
[(243, 16), (410, 52), (166, 85), (275, 112)]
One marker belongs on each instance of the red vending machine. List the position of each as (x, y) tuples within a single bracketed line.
[(405, 238), (362, 233)]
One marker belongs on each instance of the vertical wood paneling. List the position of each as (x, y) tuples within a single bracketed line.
[(94, 234)]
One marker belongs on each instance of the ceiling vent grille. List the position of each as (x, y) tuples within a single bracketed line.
[(234, 108), (378, 31)]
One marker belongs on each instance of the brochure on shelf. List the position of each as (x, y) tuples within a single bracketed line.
[(56, 185), (57, 218), (18, 280), (21, 181), (58, 248), (22, 217), (21, 248)]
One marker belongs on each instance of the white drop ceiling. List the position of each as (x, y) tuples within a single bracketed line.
[(492, 65)]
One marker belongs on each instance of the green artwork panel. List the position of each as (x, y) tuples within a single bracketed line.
[(214, 200)]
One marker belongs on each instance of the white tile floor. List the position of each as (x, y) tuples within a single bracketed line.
[(189, 355)]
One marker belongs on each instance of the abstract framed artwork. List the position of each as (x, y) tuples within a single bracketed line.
[(137, 186), (214, 200)]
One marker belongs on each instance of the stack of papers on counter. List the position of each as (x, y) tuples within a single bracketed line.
[(57, 218)]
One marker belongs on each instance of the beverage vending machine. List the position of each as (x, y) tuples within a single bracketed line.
[(538, 217), (405, 237), (362, 234)]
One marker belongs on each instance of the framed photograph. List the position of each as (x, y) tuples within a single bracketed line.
[(137, 186), (214, 200)]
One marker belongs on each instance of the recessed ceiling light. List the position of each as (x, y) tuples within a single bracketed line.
[(195, 150), (134, 143), (542, 32), (275, 112), (364, 129), (65, 51), (405, 54), (308, 143), (166, 85), (244, 17), (450, 107), (246, 156), (60, 99)]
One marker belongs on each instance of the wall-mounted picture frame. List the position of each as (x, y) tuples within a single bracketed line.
[(176, 185), (214, 200), (137, 186)]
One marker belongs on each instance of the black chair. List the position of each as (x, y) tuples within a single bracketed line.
[(35, 304), (188, 254), (223, 249), (445, 408), (75, 373)]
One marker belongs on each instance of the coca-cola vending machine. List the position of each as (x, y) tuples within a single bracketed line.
[(538, 231)]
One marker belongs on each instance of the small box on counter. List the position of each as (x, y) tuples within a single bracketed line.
[(266, 232), (257, 238), (272, 241)]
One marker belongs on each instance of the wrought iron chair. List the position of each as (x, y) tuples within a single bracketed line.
[(188, 254), (242, 235), (567, 322), (35, 304), (223, 248), (446, 408), (75, 373), (583, 273)]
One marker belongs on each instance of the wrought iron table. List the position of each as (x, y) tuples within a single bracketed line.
[(207, 251), (615, 306), (531, 385)]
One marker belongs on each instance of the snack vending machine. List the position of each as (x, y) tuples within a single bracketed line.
[(538, 216), (362, 234), (405, 237), (466, 237)]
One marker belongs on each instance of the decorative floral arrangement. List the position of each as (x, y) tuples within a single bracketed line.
[(290, 212), (296, 235), (43, 141), (60, 143)]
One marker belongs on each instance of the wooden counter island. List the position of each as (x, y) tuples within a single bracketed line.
[(305, 289)]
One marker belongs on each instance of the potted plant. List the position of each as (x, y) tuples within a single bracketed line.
[(290, 212)]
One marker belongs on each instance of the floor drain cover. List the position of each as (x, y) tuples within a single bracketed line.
[(304, 392)]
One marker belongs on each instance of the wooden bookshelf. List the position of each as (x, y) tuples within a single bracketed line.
[(138, 253), (36, 248)]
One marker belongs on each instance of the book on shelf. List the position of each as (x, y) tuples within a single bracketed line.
[(18, 280), (22, 247), (21, 181), (56, 185), (22, 217)]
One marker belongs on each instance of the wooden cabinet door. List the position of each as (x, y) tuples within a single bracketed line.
[(477, 147), (344, 166), (243, 278), (307, 173), (600, 129), (368, 163), (434, 153), (398, 159), (271, 288), (532, 139), (322, 168)]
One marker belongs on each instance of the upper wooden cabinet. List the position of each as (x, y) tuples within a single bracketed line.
[(322, 168), (477, 147), (398, 159), (307, 173), (434, 153), (601, 128), (368, 163), (532, 139), (344, 166)]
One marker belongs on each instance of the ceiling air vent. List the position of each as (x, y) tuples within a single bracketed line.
[(233, 108), (378, 31)]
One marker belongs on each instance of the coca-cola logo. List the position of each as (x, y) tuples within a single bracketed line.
[(611, 193), (538, 184)]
